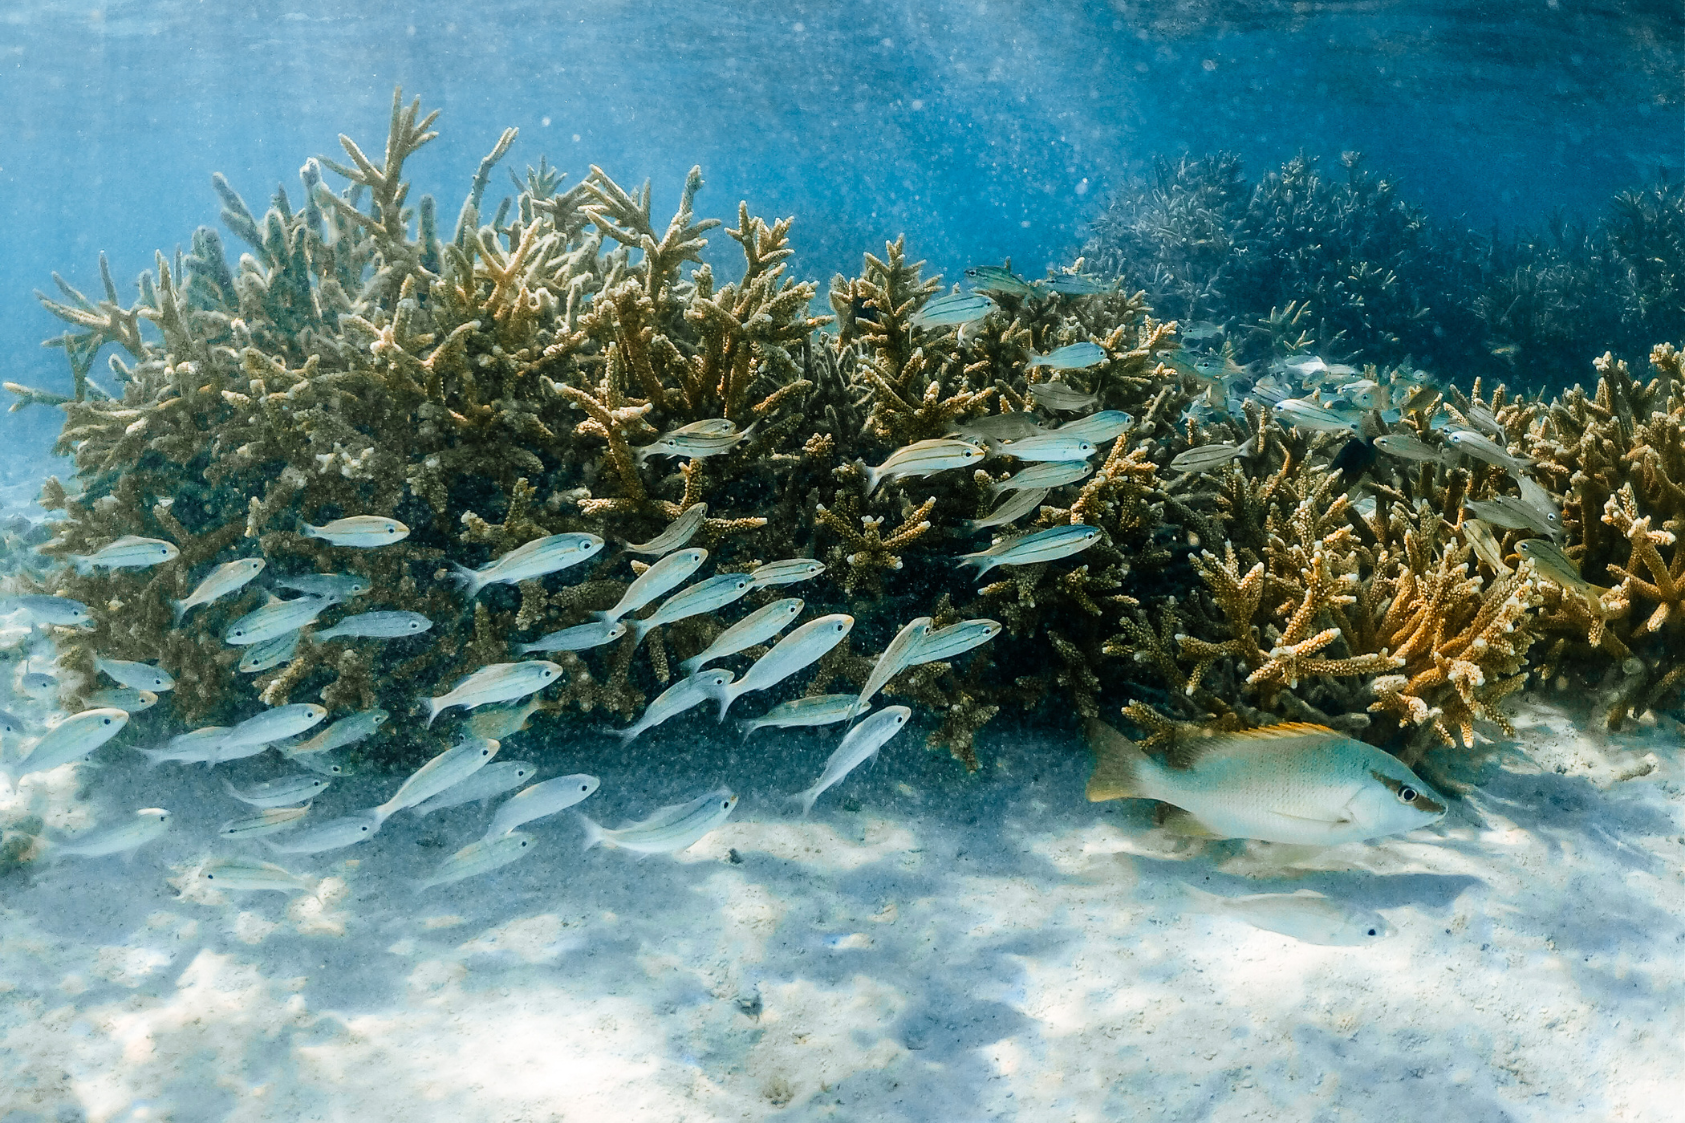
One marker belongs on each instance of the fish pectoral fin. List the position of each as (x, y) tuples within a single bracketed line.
[(1185, 824)]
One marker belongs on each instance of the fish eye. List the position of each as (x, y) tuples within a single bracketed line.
[(585, 787), (1372, 932), (1407, 794)]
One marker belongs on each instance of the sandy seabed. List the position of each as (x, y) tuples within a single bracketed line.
[(926, 946)]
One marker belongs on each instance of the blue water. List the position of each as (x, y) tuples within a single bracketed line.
[(982, 130)]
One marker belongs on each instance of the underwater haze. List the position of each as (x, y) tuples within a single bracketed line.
[(815, 561)]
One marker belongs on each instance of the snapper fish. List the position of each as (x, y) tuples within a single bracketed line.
[(1485, 546), (491, 781), (895, 658), (923, 458), (281, 792), (251, 875), (1511, 513), (1000, 280), (704, 596), (859, 745), (1470, 443), (1293, 783), (125, 698), (1203, 458), (331, 835), (1047, 474), (678, 532), (801, 648), (1072, 356), (480, 857), (1536, 496), (1099, 428), (275, 619), (376, 625), (1487, 422), (1406, 447), (146, 824), (692, 445), (1030, 549), (999, 427), (536, 559), (1015, 506), (70, 740), (662, 577), (686, 694), (790, 571), (1200, 330), (1061, 397), (1549, 560), (496, 682), (1367, 393), (348, 730), (273, 725), (226, 578), (581, 637), (953, 641), (360, 532), (541, 800), (818, 709), (271, 820), (200, 746), (47, 610), (500, 722), (446, 770), (1055, 447), (951, 309), (669, 830), (1078, 284), (1306, 916), (127, 552), (755, 628), (333, 586), (1302, 414)]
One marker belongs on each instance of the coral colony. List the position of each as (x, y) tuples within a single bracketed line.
[(542, 460)]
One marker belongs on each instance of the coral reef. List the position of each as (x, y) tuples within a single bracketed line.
[(573, 365)]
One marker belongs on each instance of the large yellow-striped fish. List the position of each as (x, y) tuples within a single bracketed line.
[(1294, 783)]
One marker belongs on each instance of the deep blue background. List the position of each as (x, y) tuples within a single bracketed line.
[(982, 129)]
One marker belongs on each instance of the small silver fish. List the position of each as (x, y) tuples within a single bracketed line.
[(537, 558), (1367, 393), (1099, 428), (250, 875), (670, 829), (273, 725), (1485, 546), (271, 820), (1487, 422), (704, 596), (333, 586), (12, 725), (678, 532), (665, 575), (755, 628), (446, 770), (70, 740), (1058, 396), (1406, 447), (359, 531), (1072, 356), (348, 730), (274, 619), (686, 694), (1030, 549), (491, 781), (709, 427), (998, 279), (281, 792), (376, 625), (1549, 560), (1078, 284), (1200, 330), (1509, 512), (1301, 414), (127, 552), (1052, 473), (480, 857), (693, 445), (953, 641), (147, 824), (1057, 447), (893, 660), (496, 682), (1470, 443), (1541, 500), (331, 835), (139, 676), (581, 637), (859, 745), (43, 609), (540, 800), (226, 578), (1203, 458), (1015, 506), (197, 747), (819, 709), (1306, 916), (790, 571), (923, 458), (952, 308), (801, 648), (125, 698)]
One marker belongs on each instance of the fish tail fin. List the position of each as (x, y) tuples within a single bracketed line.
[(726, 696), (983, 562), (745, 726), (467, 578), (1118, 764), (84, 565), (309, 531), (807, 797), (871, 474), (606, 615), (526, 648), (433, 710), (154, 757), (179, 609), (1598, 604), (690, 666), (595, 835)]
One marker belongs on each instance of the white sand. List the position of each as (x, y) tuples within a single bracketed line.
[(953, 949)]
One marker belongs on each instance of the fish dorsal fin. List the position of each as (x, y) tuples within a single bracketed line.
[(1187, 751)]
